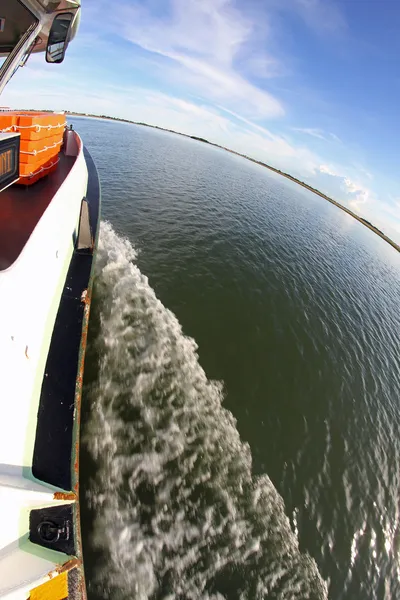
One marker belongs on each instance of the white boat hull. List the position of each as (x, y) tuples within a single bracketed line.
[(33, 477)]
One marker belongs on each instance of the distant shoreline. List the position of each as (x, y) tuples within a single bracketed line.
[(262, 164)]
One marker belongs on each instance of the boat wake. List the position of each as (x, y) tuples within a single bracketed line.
[(178, 513)]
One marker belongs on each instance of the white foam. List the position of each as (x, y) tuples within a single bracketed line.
[(179, 514)]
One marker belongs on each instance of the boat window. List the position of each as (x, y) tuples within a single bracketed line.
[(15, 20)]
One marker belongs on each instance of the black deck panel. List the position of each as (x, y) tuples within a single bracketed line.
[(21, 208)]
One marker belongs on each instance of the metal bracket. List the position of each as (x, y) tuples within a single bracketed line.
[(52, 527)]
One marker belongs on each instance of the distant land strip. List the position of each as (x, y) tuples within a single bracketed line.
[(258, 162)]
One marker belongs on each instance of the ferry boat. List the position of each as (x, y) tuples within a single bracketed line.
[(49, 219)]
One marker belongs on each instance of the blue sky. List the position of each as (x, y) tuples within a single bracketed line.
[(310, 86)]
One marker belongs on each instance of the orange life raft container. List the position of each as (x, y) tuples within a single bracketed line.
[(41, 140)]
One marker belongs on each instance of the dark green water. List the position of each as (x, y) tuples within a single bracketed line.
[(288, 489)]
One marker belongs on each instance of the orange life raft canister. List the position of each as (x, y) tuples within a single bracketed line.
[(41, 140)]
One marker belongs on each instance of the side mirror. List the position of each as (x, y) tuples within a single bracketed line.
[(59, 37)]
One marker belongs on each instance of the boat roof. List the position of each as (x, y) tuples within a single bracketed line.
[(18, 16)]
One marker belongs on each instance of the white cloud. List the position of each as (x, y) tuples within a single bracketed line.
[(328, 170), (365, 201), (199, 43), (359, 193)]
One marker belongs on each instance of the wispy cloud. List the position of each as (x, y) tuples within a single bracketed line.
[(200, 43), (317, 133), (335, 137)]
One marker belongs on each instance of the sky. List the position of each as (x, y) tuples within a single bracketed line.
[(312, 87)]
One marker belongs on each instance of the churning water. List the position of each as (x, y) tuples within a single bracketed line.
[(179, 514)]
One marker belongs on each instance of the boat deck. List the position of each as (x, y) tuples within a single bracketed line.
[(21, 208)]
